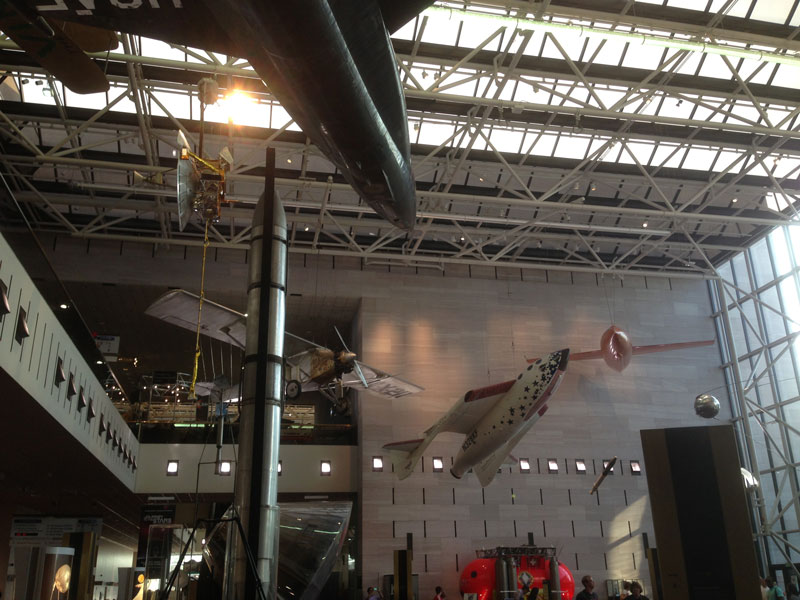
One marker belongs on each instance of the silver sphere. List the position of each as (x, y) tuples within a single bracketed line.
[(706, 406)]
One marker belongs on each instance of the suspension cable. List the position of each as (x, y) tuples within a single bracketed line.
[(192, 395)]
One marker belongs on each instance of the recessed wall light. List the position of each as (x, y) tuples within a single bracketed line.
[(224, 467), (172, 467), (280, 467), (580, 466), (605, 464), (524, 465), (438, 464), (552, 465), (377, 463), (325, 467), (636, 467)]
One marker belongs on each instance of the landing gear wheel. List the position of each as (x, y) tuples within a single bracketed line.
[(293, 389)]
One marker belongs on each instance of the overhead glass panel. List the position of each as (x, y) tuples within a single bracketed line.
[(774, 11), (699, 159)]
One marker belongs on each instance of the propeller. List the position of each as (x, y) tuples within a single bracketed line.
[(355, 362)]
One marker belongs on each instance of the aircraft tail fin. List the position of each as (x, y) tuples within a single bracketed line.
[(486, 470), (405, 455)]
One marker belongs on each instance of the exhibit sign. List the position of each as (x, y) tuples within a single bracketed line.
[(51, 558), (49, 531)]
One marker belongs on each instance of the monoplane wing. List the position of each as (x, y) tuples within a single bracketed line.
[(179, 307), (379, 382)]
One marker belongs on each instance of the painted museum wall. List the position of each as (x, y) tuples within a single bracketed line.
[(467, 327)]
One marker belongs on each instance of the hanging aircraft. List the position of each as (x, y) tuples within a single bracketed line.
[(617, 351), (330, 64), (493, 420), (496, 417), (332, 373)]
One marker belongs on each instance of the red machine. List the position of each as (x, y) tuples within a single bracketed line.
[(506, 570)]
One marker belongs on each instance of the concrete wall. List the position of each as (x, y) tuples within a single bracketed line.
[(466, 327), (300, 469)]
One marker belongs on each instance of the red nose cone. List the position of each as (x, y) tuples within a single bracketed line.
[(616, 347)]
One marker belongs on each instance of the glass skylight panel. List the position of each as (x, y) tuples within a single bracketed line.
[(93, 101), (531, 91), (726, 157), (676, 108), (507, 140), (567, 39), (159, 49), (571, 147), (406, 32), (785, 167), (176, 103), (643, 56), (688, 64), (699, 159), (772, 11), (641, 150), (36, 94), (788, 76), (609, 97), (664, 156), (433, 133), (280, 117), (544, 145), (610, 53), (440, 29), (459, 86)]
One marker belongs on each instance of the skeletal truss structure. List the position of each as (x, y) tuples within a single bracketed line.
[(629, 137)]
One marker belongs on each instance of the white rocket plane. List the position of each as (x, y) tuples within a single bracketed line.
[(493, 420)]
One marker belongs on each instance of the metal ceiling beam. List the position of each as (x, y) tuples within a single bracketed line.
[(430, 55), (446, 197), (655, 16)]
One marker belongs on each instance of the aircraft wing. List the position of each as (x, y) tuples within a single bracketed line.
[(486, 470), (668, 347), (590, 355), (378, 382), (465, 413), (179, 307)]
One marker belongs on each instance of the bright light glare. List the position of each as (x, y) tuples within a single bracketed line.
[(325, 467), (239, 108), (524, 464)]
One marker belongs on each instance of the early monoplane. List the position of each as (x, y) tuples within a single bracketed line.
[(332, 372)]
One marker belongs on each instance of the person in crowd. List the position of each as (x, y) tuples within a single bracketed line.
[(439, 593), (587, 593), (636, 592), (775, 591), (764, 588), (626, 590), (373, 594)]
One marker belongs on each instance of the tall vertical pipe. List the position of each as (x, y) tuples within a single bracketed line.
[(260, 410)]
